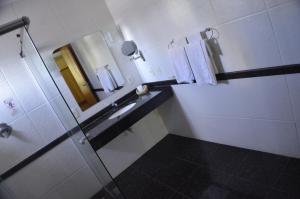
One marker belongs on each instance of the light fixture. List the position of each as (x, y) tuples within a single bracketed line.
[(130, 49)]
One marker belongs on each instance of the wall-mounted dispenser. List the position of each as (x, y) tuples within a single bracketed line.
[(130, 49)]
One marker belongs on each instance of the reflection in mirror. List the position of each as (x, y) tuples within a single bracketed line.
[(89, 69)]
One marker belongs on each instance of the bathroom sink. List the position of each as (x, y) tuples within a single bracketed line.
[(122, 111)]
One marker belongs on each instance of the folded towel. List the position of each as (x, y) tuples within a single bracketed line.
[(182, 68), (201, 62), (107, 80)]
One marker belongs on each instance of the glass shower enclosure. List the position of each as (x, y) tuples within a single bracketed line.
[(73, 131)]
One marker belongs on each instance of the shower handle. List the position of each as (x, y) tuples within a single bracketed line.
[(5, 130)]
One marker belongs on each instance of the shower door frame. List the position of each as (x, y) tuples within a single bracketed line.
[(23, 24)]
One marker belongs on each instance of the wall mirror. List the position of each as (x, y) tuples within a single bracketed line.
[(89, 69)]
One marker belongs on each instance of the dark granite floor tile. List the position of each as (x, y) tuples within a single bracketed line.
[(293, 167), (227, 159), (136, 185), (185, 148), (151, 165), (175, 174), (201, 153), (262, 168), (130, 183), (216, 192), (246, 188), (202, 182), (152, 189), (236, 195), (179, 196), (290, 184), (157, 156), (170, 145), (223, 172), (275, 194), (103, 194)]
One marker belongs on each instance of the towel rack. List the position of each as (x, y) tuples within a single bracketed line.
[(171, 43), (214, 33)]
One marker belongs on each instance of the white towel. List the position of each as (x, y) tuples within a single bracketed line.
[(107, 80), (182, 68), (201, 62)]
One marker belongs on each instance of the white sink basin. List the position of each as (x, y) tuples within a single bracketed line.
[(122, 111)]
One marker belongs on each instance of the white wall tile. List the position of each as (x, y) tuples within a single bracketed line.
[(228, 10), (7, 115), (54, 25), (9, 48), (176, 19), (72, 188), (23, 84), (118, 8), (265, 98), (249, 43), (43, 174), (5, 193), (46, 122), (39, 70), (23, 142), (246, 43), (45, 28), (294, 88), (285, 19), (66, 158), (121, 152), (63, 113), (94, 16), (273, 136), (184, 16), (263, 135), (51, 27), (271, 3), (1, 76), (6, 13)]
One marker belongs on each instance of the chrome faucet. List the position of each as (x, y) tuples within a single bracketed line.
[(114, 104)]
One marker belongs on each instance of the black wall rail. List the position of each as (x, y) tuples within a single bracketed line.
[(260, 72), (35, 156)]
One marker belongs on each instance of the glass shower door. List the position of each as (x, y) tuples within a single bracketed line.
[(43, 78)]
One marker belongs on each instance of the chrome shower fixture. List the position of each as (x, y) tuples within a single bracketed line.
[(5, 130)]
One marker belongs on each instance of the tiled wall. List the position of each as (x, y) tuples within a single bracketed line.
[(40, 113), (257, 33), (129, 146), (61, 173), (32, 116), (257, 113), (54, 24)]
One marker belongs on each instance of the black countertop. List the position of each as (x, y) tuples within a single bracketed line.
[(101, 130)]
